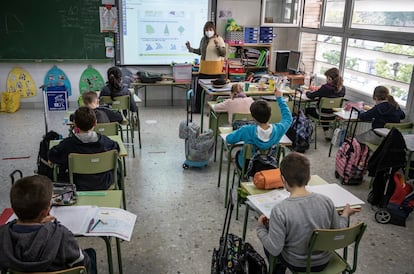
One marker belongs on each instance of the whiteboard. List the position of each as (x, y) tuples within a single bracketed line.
[(154, 32)]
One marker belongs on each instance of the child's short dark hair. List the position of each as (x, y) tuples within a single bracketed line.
[(260, 111), (89, 97), (30, 195), (295, 168), (84, 118)]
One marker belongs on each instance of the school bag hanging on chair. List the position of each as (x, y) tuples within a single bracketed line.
[(43, 165), (234, 255), (352, 157)]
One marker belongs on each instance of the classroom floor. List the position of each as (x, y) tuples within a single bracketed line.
[(181, 212)]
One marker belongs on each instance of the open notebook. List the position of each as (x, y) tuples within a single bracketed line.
[(95, 221), (339, 195)]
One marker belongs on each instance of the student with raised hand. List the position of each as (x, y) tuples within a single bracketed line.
[(212, 50), (86, 141), (286, 234), (263, 135), (386, 110), (238, 102), (36, 241), (115, 88), (333, 88)]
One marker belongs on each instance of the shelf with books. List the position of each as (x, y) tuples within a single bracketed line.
[(253, 57)]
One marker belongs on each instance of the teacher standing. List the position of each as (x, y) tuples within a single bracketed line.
[(212, 50)]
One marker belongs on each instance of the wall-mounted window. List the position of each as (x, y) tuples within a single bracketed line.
[(396, 15), (281, 13), (334, 14), (369, 64)]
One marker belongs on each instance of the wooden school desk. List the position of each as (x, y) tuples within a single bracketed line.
[(207, 88), (182, 85), (122, 154), (107, 198), (250, 189), (104, 198), (285, 141)]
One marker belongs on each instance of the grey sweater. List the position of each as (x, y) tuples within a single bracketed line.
[(46, 247), (291, 224)]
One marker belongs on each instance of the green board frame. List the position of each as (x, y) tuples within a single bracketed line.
[(51, 30)]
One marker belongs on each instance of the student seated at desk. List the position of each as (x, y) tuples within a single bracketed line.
[(103, 114), (238, 102), (115, 88), (386, 110), (286, 234), (36, 241), (263, 135), (332, 89), (85, 141)]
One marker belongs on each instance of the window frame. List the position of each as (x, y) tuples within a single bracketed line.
[(347, 32)]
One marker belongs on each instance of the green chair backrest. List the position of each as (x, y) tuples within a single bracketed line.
[(93, 163), (242, 116), (333, 239), (118, 103), (72, 270), (107, 129), (276, 115), (406, 125), (329, 103)]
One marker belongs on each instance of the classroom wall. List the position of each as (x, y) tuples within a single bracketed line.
[(38, 72)]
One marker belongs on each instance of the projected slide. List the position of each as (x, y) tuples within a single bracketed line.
[(154, 32)]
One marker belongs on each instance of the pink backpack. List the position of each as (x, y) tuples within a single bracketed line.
[(351, 161)]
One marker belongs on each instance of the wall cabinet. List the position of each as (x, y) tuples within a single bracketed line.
[(281, 13)]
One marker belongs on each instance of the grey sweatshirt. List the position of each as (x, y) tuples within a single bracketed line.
[(45, 247), (291, 224)]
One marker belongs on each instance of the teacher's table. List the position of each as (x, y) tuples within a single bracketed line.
[(208, 88), (181, 85), (285, 141)]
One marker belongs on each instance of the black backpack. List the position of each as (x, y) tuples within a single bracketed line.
[(43, 167)]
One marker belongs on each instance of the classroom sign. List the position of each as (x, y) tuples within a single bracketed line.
[(57, 99), (19, 80), (56, 77), (90, 80)]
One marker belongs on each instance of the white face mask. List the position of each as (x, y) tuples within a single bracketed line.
[(209, 33)]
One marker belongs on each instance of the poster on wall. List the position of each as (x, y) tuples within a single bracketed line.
[(19, 80)]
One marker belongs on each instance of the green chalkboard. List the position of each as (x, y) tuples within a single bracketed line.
[(51, 29)]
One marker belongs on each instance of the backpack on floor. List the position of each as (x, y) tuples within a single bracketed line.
[(43, 166), (351, 161)]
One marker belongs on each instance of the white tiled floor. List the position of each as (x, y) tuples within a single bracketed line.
[(180, 212)]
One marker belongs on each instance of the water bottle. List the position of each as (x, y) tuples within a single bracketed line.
[(315, 79), (271, 83), (307, 80)]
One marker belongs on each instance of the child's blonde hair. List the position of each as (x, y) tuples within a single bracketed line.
[(237, 91)]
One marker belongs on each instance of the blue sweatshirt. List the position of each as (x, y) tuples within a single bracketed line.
[(248, 134)]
